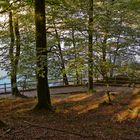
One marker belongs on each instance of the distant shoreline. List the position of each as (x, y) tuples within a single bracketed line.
[(5, 79)]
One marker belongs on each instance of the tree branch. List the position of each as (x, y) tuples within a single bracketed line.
[(8, 7), (59, 130)]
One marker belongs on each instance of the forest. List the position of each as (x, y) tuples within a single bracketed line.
[(74, 69)]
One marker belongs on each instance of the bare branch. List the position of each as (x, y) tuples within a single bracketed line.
[(8, 7)]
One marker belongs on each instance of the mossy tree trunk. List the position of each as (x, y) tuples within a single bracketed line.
[(43, 92)]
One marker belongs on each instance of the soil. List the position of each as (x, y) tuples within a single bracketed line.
[(77, 116)]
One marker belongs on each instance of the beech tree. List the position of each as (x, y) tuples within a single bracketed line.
[(73, 27), (90, 47), (63, 69), (12, 43), (14, 53), (41, 56)]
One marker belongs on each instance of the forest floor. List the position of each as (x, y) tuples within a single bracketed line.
[(77, 116)]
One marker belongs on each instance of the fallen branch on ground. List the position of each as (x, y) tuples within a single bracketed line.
[(60, 130), (9, 131)]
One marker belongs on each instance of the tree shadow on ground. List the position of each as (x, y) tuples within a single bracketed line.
[(82, 103), (130, 106), (125, 105), (82, 113)]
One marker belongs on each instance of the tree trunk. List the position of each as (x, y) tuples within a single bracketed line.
[(90, 47), (14, 58), (75, 57), (63, 69), (44, 101), (115, 54), (104, 67)]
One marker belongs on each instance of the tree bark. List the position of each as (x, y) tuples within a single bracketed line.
[(44, 101), (90, 47), (14, 56), (103, 67), (75, 57), (63, 69)]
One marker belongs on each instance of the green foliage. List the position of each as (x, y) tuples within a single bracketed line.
[(116, 29)]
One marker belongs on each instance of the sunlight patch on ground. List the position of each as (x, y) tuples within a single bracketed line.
[(16, 104), (121, 116), (71, 98), (56, 100), (136, 91), (81, 103), (133, 109), (89, 106), (78, 97)]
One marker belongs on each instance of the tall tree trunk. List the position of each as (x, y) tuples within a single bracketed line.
[(75, 57), (104, 69), (63, 69), (44, 101), (14, 58), (115, 53), (90, 47)]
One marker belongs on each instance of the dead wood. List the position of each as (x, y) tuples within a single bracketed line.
[(60, 130)]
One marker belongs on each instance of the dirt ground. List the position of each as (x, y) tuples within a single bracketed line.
[(77, 116)]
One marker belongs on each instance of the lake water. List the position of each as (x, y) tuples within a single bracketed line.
[(5, 80)]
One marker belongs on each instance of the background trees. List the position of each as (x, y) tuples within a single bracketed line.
[(85, 40)]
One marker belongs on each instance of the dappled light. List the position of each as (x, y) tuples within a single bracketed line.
[(89, 106), (78, 97), (72, 98), (57, 100), (81, 103), (91, 111), (70, 69), (136, 91), (16, 104), (121, 116), (132, 110)]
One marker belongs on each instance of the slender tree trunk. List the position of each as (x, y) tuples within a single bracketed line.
[(44, 101), (104, 69), (15, 40), (75, 57), (115, 54), (90, 47), (17, 55), (63, 69)]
